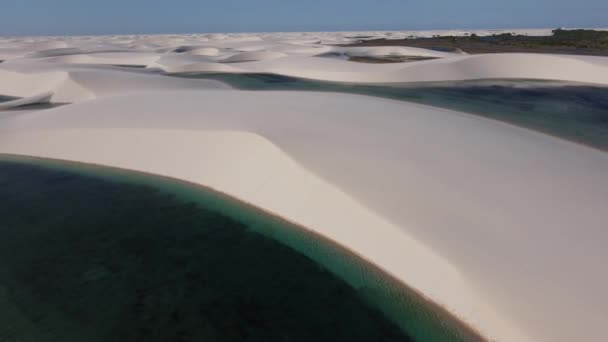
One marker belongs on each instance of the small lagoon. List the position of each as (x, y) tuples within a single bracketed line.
[(91, 253)]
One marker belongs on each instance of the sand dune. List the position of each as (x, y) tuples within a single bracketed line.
[(36, 99), (307, 61), (388, 51), (507, 66), (205, 51), (78, 84), (253, 56), (491, 208), (503, 226)]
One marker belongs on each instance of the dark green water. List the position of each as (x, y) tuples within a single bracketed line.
[(130, 66), (577, 112), (98, 254), (4, 98)]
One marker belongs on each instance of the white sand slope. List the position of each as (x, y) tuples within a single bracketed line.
[(502, 226)]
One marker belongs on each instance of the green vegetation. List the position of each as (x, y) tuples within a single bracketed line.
[(580, 39), (579, 42)]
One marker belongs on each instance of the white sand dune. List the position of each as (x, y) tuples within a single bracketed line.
[(379, 51), (79, 84), (205, 51), (293, 54), (65, 51), (502, 226), (36, 99), (494, 211), (59, 83), (494, 66)]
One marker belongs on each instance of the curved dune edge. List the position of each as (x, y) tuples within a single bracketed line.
[(393, 291), (294, 194), (485, 209)]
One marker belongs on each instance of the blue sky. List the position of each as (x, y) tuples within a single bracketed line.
[(52, 17)]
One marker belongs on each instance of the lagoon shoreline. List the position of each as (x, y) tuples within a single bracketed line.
[(398, 289)]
